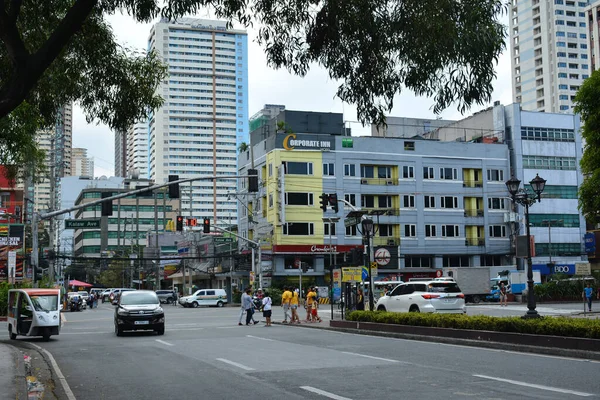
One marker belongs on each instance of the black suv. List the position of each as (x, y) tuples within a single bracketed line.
[(167, 296), (139, 310)]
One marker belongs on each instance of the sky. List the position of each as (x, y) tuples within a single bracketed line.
[(314, 92)]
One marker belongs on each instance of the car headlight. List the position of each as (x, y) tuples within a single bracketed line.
[(158, 310), (122, 312)]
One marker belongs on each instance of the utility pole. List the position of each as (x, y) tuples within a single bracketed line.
[(157, 285)]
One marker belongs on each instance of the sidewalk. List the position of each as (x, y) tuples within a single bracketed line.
[(12, 373)]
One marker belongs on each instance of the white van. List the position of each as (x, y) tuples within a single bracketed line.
[(205, 297)]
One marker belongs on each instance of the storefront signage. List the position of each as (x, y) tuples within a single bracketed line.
[(549, 269), (312, 249), (590, 242), (10, 241), (294, 141), (351, 274)]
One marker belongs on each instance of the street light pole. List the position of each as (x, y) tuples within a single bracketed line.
[(367, 226), (525, 198), (331, 221)]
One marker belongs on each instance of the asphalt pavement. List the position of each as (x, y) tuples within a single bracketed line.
[(205, 354)]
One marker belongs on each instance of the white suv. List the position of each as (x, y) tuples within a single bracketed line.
[(429, 296)]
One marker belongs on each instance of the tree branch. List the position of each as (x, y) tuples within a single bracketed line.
[(27, 69)]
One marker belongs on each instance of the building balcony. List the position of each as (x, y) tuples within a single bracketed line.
[(473, 184), (379, 181), (473, 213), (386, 241), (474, 242), (381, 211)]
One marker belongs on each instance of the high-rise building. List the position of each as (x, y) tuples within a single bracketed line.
[(549, 53), (120, 154), (57, 143), (137, 150), (592, 13), (81, 164), (205, 116)]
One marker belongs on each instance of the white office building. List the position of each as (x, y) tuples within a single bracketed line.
[(549, 53), (137, 150), (205, 116)]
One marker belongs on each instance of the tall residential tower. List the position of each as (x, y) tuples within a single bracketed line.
[(205, 115)]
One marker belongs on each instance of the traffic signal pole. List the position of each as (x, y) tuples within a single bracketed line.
[(36, 218)]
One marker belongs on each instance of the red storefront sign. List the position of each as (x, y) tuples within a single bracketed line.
[(312, 248)]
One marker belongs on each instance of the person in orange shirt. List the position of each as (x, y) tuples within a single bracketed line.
[(286, 298), (310, 299), (294, 306)]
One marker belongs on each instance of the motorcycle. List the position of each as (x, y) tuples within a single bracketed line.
[(257, 302), (75, 303)]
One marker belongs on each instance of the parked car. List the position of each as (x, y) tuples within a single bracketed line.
[(139, 310), (116, 294), (84, 295), (106, 294), (205, 297), (426, 296), (167, 296)]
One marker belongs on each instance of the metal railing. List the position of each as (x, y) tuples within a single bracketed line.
[(474, 242), (473, 184), (473, 213), (379, 181), (385, 241)]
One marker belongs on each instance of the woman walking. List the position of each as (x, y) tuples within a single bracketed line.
[(294, 306)]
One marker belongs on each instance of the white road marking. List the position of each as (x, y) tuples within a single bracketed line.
[(235, 364), (260, 338), (227, 327), (533, 385), (373, 357), (324, 393), (163, 342), (58, 372)]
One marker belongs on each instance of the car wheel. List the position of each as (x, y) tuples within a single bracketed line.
[(381, 308), (161, 330), (219, 304), (12, 335), (195, 304), (46, 337), (169, 301), (476, 299), (414, 308), (118, 330)]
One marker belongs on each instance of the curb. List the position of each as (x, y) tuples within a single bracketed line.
[(572, 353), (20, 374)]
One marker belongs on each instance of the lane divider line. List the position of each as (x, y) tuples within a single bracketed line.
[(324, 393), (260, 338), (163, 342), (242, 366), (57, 371), (375, 358), (533, 385)]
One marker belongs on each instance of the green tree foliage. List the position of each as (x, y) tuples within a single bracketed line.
[(57, 51), (587, 105)]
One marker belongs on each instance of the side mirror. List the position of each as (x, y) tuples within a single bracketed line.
[(28, 308), (61, 307)]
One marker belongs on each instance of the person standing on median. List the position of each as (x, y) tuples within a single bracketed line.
[(266, 307), (294, 306), (588, 294), (286, 298), (248, 306)]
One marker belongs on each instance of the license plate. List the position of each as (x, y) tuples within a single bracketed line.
[(141, 322), (447, 300)]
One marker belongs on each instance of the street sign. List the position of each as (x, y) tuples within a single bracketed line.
[(351, 274), (82, 223), (382, 256), (583, 268), (351, 221), (223, 240)]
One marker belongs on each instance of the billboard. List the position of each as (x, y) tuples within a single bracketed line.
[(11, 253)]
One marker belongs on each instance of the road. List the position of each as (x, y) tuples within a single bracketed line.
[(204, 354)]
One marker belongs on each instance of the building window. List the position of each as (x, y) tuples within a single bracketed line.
[(384, 201), (408, 172), (554, 220), (410, 230), (449, 230), (495, 175), (326, 228), (549, 134), (384, 172), (497, 231), (449, 202), (367, 201), (408, 201), (270, 200), (496, 203), (299, 228), (558, 192), (350, 198), (299, 199), (409, 146), (328, 169), (549, 162), (448, 173), (351, 230), (428, 173), (429, 201), (430, 231), (349, 170), (298, 168), (367, 171), (386, 230)]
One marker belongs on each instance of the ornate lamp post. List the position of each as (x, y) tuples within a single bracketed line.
[(367, 231), (525, 198)]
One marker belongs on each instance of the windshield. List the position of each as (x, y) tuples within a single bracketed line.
[(45, 303), (129, 298), (443, 287)]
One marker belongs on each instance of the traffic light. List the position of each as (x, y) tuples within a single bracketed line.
[(174, 189), (333, 202), (324, 201), (192, 222), (252, 180), (107, 206), (206, 225), (179, 225)]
